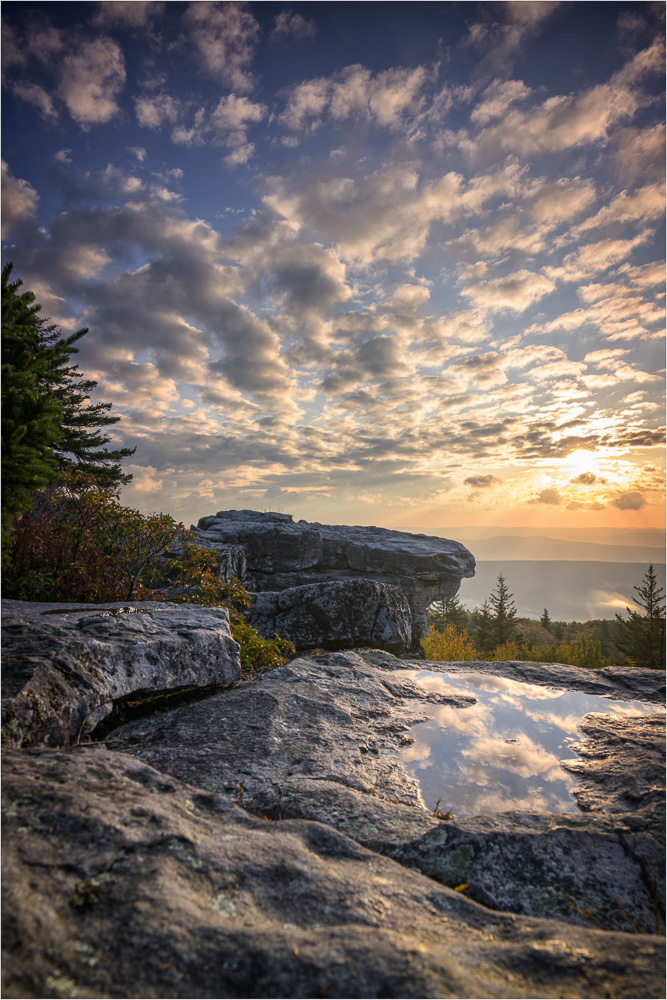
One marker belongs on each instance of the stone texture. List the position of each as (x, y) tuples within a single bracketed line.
[(341, 614), (591, 872), (315, 738), (318, 739), (63, 665), (122, 882), (282, 553)]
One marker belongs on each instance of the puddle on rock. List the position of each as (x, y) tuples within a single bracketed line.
[(503, 752)]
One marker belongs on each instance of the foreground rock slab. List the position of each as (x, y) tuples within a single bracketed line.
[(121, 882), (282, 553), (63, 665), (320, 739)]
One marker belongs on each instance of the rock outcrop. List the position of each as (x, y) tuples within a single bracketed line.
[(319, 738), (281, 553), (120, 881), (63, 665), (342, 614)]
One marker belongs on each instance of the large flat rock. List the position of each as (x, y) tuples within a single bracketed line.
[(63, 665), (282, 553), (320, 739), (120, 881)]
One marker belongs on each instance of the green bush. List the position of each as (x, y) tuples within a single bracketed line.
[(80, 544)]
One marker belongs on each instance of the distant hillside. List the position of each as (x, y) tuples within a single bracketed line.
[(570, 590), (640, 545), (542, 547)]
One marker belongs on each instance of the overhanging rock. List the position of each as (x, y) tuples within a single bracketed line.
[(282, 553), (65, 664)]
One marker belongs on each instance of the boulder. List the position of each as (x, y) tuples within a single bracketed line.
[(341, 614), (119, 881), (282, 553), (320, 739), (64, 665)]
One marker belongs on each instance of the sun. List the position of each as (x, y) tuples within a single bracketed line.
[(581, 461)]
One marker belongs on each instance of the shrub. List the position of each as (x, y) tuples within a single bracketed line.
[(448, 644), (80, 544)]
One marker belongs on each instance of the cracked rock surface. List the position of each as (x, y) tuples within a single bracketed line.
[(64, 664), (340, 614), (123, 882), (319, 738)]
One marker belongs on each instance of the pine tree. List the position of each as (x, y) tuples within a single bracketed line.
[(64, 430), (83, 440), (482, 628), (31, 413), (545, 620), (641, 638), (448, 611), (503, 614)]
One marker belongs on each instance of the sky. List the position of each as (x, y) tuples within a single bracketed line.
[(393, 264)]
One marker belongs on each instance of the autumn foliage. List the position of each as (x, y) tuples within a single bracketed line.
[(80, 544)]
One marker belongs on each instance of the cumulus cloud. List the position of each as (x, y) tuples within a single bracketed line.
[(567, 121), (481, 482), (585, 479), (230, 121), (156, 110), (355, 92), (549, 496), (20, 203), (38, 96), (515, 292), (632, 500), (90, 80), (225, 35), (125, 14), (287, 24), (500, 40)]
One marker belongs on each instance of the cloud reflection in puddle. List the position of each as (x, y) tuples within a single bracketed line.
[(502, 752)]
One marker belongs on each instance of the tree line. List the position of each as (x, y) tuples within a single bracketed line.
[(495, 632)]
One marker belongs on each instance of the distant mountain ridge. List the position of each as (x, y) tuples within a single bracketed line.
[(539, 547), (641, 545)]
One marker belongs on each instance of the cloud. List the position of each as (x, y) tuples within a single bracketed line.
[(158, 110), (549, 496), (497, 98), (20, 203), (481, 482), (287, 24), (515, 292), (230, 121), (90, 79), (585, 479), (645, 204), (144, 478), (384, 98), (225, 35), (640, 152), (568, 121), (37, 96), (502, 40), (385, 215), (629, 501), (123, 14)]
